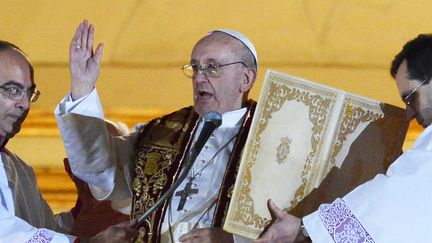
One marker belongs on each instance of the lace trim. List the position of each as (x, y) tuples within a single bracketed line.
[(342, 224), (41, 236)]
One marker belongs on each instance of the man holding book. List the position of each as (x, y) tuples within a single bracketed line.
[(394, 207)]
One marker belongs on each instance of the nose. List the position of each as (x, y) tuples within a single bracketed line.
[(23, 103), (199, 76), (410, 113)]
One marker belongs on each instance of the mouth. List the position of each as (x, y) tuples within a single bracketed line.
[(205, 95), (15, 117)]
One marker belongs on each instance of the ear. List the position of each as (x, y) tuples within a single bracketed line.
[(248, 80)]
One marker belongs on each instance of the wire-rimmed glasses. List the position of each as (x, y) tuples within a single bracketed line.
[(208, 69), (16, 94), (409, 97)]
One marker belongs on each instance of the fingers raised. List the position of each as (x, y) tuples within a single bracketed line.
[(76, 40), (98, 54), (90, 37), (84, 34)]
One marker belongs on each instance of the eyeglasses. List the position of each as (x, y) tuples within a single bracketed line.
[(208, 69), (408, 99), (16, 94)]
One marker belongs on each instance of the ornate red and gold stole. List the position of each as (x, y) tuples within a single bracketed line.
[(161, 148)]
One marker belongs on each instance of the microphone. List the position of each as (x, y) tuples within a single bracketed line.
[(212, 120)]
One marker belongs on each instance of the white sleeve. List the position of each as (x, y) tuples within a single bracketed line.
[(89, 105), (14, 229), (95, 156), (316, 229)]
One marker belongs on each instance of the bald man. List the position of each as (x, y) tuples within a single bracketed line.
[(24, 215)]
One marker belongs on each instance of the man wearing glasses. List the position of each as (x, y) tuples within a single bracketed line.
[(24, 214), (145, 164), (395, 207)]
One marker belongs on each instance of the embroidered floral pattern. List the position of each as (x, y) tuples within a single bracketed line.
[(342, 224), (41, 236)]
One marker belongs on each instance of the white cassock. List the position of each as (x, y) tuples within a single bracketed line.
[(24, 214), (395, 207), (85, 143)]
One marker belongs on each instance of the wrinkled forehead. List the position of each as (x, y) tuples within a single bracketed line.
[(217, 46)]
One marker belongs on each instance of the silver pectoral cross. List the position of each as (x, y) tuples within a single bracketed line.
[(183, 194)]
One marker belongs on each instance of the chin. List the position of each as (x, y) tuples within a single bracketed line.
[(425, 124), (10, 133), (5, 135), (202, 110)]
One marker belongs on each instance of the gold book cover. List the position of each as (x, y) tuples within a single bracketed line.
[(309, 144)]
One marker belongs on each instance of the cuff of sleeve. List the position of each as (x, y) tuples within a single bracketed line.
[(100, 193), (60, 238), (315, 228), (89, 105), (303, 230)]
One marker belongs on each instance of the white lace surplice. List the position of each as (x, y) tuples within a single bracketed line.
[(395, 207)]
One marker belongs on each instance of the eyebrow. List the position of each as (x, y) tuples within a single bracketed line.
[(210, 60), (15, 83)]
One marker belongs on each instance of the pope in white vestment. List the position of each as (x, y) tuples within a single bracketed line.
[(223, 69), (89, 144)]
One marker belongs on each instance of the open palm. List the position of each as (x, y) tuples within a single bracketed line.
[(84, 62)]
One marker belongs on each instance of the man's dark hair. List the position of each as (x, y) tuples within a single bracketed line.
[(418, 53), (5, 45)]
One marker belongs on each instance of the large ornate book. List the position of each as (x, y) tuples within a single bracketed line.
[(308, 145)]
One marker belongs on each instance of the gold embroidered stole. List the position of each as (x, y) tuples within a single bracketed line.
[(230, 175), (161, 149)]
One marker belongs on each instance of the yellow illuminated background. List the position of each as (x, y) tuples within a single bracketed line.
[(346, 44)]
